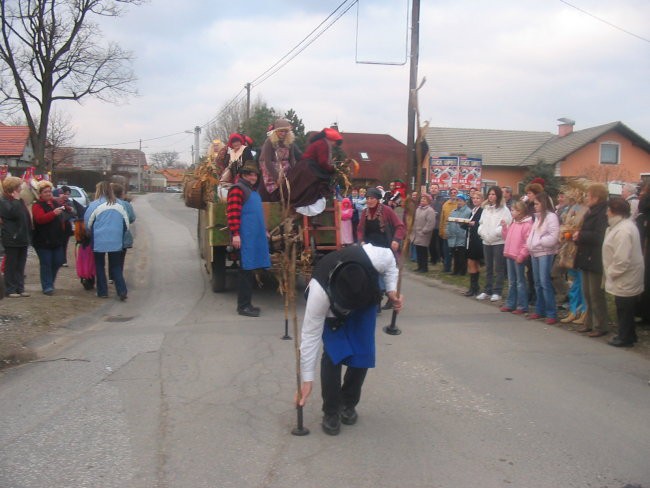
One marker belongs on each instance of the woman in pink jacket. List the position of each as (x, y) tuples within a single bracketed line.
[(516, 253), (543, 244)]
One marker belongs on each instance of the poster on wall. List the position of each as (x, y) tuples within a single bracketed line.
[(470, 172), (443, 170)]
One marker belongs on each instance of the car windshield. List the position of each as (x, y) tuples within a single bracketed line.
[(75, 193)]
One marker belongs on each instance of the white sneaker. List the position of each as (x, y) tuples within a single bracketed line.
[(482, 296), (495, 298)]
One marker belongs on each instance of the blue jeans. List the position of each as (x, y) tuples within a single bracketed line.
[(517, 290), (545, 303), (50, 261), (115, 267), (576, 300)]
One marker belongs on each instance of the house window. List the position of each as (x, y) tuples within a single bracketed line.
[(610, 153), (364, 156)]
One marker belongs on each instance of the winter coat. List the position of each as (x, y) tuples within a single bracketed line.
[(457, 232), (489, 227), (516, 237), (544, 237), (447, 207), (622, 258), (423, 223), (589, 256), (107, 224), (16, 222), (128, 236)]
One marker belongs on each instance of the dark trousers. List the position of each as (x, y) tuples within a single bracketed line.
[(495, 266), (15, 260), (625, 316), (245, 288), (434, 246), (595, 300), (460, 260), (115, 269), (446, 255), (335, 395), (65, 248), (421, 253)]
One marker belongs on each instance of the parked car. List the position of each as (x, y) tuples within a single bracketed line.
[(173, 189), (78, 194)]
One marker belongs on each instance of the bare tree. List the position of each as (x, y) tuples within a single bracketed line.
[(51, 51), (167, 159), (230, 119), (59, 140)]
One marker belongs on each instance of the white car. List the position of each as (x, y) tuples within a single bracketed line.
[(78, 194), (173, 189)]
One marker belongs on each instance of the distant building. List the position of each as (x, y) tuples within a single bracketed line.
[(86, 166), (609, 152), (16, 149)]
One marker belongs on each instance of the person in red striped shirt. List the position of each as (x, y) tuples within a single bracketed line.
[(248, 233)]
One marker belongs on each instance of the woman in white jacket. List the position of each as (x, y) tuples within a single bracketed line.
[(495, 215), (543, 244), (623, 268)]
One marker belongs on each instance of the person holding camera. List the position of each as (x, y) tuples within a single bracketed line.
[(49, 235), (341, 312)]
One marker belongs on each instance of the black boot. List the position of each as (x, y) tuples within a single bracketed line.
[(473, 285)]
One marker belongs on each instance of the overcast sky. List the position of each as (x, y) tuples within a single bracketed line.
[(507, 64)]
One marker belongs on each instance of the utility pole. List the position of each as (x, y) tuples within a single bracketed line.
[(197, 131), (140, 169), (413, 166)]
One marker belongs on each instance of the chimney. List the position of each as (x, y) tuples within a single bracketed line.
[(565, 127)]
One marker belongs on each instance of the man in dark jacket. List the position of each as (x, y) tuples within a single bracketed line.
[(589, 259)]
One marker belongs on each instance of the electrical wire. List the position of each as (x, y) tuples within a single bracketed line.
[(278, 68), (605, 21), (252, 82)]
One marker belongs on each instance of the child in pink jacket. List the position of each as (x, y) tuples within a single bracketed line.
[(516, 252)]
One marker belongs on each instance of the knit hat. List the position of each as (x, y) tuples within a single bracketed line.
[(373, 193), (235, 137), (332, 135), (249, 166)]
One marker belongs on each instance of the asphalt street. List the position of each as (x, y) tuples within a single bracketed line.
[(173, 389)]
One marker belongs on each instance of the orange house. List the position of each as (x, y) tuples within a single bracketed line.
[(605, 153)]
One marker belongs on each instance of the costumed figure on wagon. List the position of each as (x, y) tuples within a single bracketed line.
[(309, 181), (278, 156), (248, 230), (341, 311)]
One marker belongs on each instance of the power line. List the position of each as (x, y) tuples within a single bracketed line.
[(252, 82), (278, 68), (605, 21)]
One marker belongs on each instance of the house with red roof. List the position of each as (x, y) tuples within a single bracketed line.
[(16, 149), (604, 153), (381, 158)]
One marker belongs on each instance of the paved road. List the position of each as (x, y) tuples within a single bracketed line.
[(173, 389)]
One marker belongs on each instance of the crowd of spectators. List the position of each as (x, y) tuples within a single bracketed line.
[(560, 257)]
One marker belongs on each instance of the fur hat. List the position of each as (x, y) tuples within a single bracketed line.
[(281, 124), (249, 166), (373, 193)]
